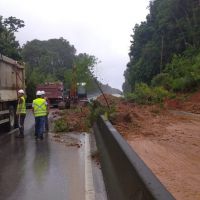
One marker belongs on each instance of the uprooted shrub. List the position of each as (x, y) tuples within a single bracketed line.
[(60, 125), (96, 109)]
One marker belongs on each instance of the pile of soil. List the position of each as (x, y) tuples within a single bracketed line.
[(188, 102), (76, 118), (131, 119), (166, 138)]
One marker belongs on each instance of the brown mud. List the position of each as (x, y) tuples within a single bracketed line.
[(167, 139)]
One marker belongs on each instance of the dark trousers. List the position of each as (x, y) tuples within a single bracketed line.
[(21, 119), (39, 126)]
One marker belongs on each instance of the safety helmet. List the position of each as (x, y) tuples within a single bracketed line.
[(38, 93), (42, 92), (21, 91)]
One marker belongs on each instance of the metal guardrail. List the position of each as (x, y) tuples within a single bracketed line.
[(126, 176)]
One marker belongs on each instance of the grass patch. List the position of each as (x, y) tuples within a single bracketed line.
[(60, 125)]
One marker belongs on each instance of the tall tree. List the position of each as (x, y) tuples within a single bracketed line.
[(53, 56), (8, 44), (47, 61), (84, 66)]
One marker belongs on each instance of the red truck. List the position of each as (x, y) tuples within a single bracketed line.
[(53, 91)]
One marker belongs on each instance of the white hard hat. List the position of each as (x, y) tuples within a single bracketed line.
[(42, 92), (21, 91), (38, 93)]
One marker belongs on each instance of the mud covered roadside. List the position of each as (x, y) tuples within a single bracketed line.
[(185, 102), (76, 120), (73, 135), (168, 141), (170, 147)]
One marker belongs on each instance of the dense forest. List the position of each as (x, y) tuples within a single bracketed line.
[(165, 49)]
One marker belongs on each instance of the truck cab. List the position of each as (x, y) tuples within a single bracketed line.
[(81, 90), (54, 91)]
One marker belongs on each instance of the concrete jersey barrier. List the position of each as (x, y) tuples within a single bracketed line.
[(126, 176)]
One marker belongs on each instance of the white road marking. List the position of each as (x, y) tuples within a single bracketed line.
[(89, 185)]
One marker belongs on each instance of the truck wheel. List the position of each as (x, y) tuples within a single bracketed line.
[(12, 117)]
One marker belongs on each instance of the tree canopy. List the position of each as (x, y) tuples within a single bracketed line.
[(53, 60), (9, 46), (171, 28), (51, 57)]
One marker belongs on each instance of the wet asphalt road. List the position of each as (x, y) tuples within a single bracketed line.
[(40, 170)]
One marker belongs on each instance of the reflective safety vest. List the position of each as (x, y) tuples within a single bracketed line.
[(39, 107), (21, 106)]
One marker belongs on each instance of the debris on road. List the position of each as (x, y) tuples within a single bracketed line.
[(67, 139), (95, 157)]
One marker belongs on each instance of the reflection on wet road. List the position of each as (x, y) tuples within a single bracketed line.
[(40, 170)]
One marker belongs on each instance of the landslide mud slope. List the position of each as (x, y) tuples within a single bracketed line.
[(167, 140)]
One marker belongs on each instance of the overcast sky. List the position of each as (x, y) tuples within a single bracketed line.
[(98, 27)]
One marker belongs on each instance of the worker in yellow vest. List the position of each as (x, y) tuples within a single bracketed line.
[(39, 107), (46, 123), (21, 113)]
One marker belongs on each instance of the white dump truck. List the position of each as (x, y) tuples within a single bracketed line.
[(12, 78)]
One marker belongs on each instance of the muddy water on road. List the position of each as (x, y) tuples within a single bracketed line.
[(44, 170)]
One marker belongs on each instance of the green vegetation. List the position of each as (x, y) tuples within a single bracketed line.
[(97, 109), (8, 44), (60, 125), (182, 74), (53, 60), (46, 61), (165, 51), (84, 70), (144, 94)]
